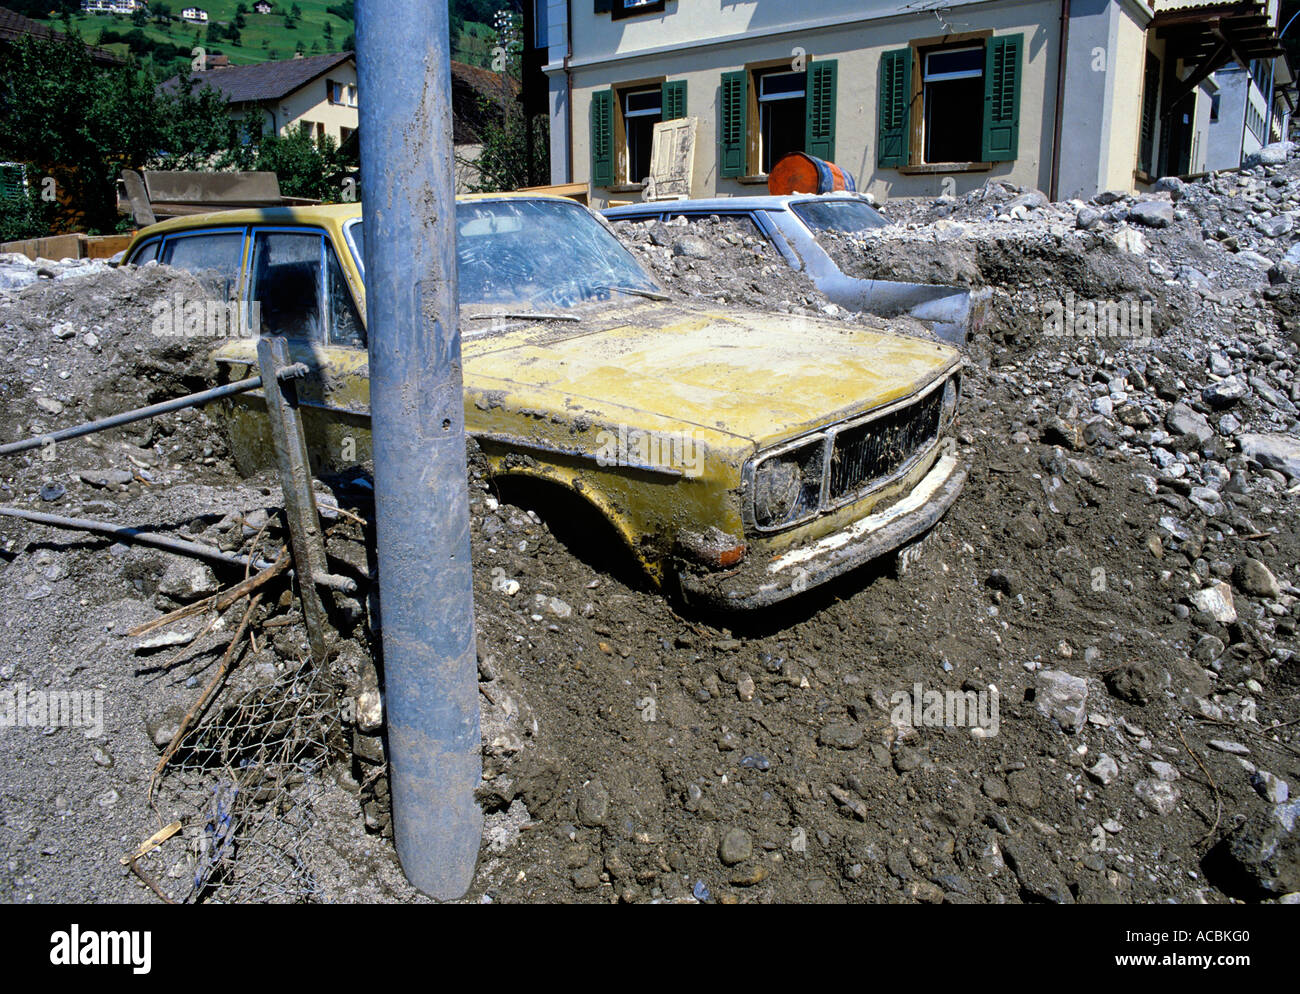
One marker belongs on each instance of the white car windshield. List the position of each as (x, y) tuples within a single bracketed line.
[(538, 255)]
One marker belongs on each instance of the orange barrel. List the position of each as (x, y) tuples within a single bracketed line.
[(799, 172)]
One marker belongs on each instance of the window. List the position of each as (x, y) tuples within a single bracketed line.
[(622, 128), (847, 216), (781, 116), (741, 224), (539, 254), (345, 324), (540, 25), (953, 103), (297, 299), (1150, 115), (146, 252), (768, 112), (212, 255), (631, 8), (642, 110)]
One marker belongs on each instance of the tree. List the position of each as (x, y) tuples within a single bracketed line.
[(79, 124), (503, 164), (305, 166), (25, 215)]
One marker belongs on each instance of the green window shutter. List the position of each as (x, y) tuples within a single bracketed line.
[(1002, 98), (819, 138), (733, 134), (893, 138), (602, 138), (674, 99)]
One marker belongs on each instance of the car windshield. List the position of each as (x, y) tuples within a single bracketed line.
[(536, 256), (844, 216)]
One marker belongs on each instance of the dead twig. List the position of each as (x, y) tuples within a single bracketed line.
[(208, 693), (351, 517), (1260, 733), (1218, 801), (150, 883), (219, 601)]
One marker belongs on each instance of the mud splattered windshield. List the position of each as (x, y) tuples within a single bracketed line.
[(538, 256)]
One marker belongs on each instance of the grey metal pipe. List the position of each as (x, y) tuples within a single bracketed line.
[(128, 533), (140, 413), (418, 432)]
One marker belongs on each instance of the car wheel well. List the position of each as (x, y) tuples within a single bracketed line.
[(578, 522)]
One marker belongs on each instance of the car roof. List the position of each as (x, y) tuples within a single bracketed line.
[(315, 214), (728, 205)]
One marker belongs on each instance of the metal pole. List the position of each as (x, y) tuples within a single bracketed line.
[(417, 420), (129, 533), (140, 413)]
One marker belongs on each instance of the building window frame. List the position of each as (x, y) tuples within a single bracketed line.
[(631, 140), (623, 9), (768, 105), (759, 106), (903, 138)]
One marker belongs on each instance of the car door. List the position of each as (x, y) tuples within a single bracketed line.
[(295, 288)]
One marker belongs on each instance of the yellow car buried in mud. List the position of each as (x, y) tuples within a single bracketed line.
[(743, 457)]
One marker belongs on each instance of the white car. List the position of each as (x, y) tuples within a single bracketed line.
[(792, 223)]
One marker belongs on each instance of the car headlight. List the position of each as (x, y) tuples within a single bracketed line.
[(951, 391), (788, 485)]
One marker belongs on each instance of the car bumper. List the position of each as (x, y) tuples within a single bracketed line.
[(761, 583)]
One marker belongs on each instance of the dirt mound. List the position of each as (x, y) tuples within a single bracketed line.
[(1120, 580), (720, 260)]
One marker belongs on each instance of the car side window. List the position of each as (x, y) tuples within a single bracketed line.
[(345, 323), (147, 252), (285, 281), (742, 224), (297, 283), (210, 255)]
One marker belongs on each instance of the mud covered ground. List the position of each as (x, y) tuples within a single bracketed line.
[(1122, 568)]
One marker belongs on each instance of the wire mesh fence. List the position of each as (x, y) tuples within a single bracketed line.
[(246, 781)]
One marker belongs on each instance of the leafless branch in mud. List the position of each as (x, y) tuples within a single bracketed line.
[(219, 601), (1218, 800), (206, 697)]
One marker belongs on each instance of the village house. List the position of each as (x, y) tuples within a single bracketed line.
[(912, 98), (319, 91), (196, 14), (126, 7)]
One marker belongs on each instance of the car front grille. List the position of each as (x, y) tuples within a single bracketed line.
[(875, 450)]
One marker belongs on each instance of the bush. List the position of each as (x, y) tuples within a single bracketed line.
[(24, 215), (305, 167)]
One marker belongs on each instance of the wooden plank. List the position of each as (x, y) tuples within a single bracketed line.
[(305, 538), (216, 189), (581, 192), (106, 246)]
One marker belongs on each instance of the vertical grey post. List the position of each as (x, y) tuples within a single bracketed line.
[(417, 418)]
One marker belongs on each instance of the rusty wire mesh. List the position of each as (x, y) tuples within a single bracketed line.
[(246, 781)]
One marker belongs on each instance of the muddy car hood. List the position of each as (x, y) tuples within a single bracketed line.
[(757, 376)]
